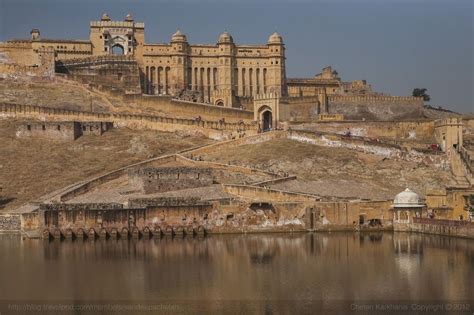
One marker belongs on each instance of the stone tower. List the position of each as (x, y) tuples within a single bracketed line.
[(276, 71), (179, 65), (225, 74)]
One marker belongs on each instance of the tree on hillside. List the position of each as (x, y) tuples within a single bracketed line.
[(421, 93)]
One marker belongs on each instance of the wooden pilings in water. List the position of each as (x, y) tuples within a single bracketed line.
[(124, 234)]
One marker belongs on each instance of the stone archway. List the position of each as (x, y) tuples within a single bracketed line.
[(117, 49), (267, 120)]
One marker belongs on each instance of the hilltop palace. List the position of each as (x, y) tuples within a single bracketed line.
[(246, 77), (353, 148)]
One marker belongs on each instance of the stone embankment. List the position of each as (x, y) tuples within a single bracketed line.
[(443, 227)]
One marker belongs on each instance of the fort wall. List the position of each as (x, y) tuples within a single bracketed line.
[(61, 130), (187, 108), (19, 52), (213, 129), (422, 129), (375, 107)]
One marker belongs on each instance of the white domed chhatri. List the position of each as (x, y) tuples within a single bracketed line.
[(407, 199), (178, 37), (275, 38), (105, 17), (225, 38)]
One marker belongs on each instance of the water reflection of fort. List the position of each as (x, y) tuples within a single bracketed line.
[(319, 266)]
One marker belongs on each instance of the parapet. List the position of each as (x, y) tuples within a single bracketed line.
[(264, 96), (166, 202), (127, 24), (79, 206)]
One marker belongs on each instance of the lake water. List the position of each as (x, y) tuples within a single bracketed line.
[(251, 274)]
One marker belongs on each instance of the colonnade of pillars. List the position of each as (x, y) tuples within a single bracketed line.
[(204, 80), (157, 80), (251, 81), (247, 81)]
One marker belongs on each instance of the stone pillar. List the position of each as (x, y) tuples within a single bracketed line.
[(255, 81), (212, 80), (239, 82), (159, 81), (205, 85), (167, 80)]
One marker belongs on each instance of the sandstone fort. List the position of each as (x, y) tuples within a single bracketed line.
[(181, 139)]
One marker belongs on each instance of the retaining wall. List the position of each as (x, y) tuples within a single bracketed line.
[(443, 227), (10, 223)]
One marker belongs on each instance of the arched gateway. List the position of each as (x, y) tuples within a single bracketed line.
[(265, 118)]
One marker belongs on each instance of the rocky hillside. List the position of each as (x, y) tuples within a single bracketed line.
[(333, 171), (30, 168)]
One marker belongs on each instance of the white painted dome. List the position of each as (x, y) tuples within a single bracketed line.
[(407, 199), (225, 38), (275, 38), (105, 17), (178, 37)]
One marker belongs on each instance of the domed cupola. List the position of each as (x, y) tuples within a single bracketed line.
[(129, 18), (225, 38), (275, 38), (178, 37), (407, 199), (105, 17)]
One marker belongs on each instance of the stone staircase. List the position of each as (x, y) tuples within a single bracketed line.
[(462, 167)]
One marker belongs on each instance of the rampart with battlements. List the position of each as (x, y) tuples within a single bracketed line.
[(219, 129)]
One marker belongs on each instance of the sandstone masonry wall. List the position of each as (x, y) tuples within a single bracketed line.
[(10, 223), (422, 129), (213, 129), (153, 180), (375, 107)]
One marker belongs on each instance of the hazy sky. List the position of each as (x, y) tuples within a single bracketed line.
[(396, 45)]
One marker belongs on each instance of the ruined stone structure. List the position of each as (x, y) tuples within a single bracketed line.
[(151, 180), (117, 57), (62, 130)]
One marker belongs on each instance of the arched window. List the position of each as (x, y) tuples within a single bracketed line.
[(117, 50)]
